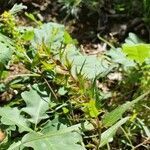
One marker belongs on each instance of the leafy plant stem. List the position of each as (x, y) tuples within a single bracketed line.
[(125, 133), (108, 146), (105, 41), (99, 132)]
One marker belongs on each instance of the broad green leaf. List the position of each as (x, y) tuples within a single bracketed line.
[(37, 103), (112, 117), (132, 39), (119, 57), (52, 138), (51, 34), (54, 36), (6, 49), (109, 133), (52, 133), (137, 52), (66, 141), (11, 116), (91, 66)]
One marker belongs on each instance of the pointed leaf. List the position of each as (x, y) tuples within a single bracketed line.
[(133, 39), (53, 139), (37, 103), (11, 116), (66, 141), (108, 134), (110, 118)]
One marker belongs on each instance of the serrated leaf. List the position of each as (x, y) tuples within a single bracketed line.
[(37, 103), (52, 138), (66, 141), (109, 133), (11, 116), (137, 52), (91, 66), (110, 118)]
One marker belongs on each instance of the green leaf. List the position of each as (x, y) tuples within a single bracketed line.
[(132, 39), (110, 118), (62, 91), (52, 137), (137, 52), (6, 49), (66, 141), (37, 103), (68, 39), (109, 133), (17, 8), (15, 146), (11, 116), (119, 57), (28, 35), (51, 34), (91, 109), (91, 66)]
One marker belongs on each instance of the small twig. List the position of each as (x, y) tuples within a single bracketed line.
[(50, 88), (25, 75), (48, 84), (59, 107), (141, 144)]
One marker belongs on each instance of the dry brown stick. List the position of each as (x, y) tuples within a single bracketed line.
[(144, 142), (50, 88)]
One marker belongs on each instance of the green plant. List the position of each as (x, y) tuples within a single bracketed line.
[(54, 100)]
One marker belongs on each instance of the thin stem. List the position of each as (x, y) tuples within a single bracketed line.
[(125, 133), (99, 132), (141, 144), (50, 88), (105, 41)]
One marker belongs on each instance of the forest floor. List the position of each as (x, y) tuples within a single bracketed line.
[(85, 28)]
